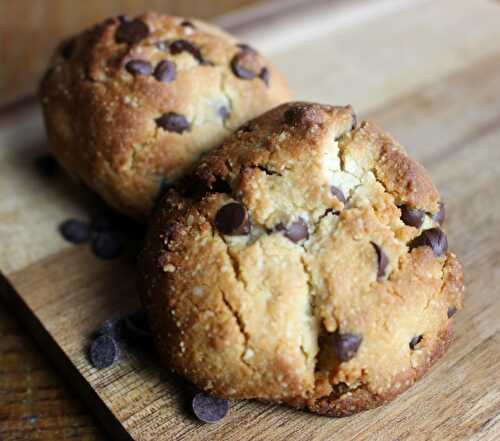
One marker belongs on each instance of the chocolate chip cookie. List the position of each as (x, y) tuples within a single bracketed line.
[(131, 103), (305, 263)]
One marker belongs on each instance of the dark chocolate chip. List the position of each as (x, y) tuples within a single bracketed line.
[(223, 112), (131, 32), (382, 261), (412, 216), (178, 46), (75, 231), (139, 67), (209, 409), (452, 310), (188, 24), (440, 216), (112, 327), (246, 48), (68, 48), (173, 122), (239, 65), (107, 245), (302, 114), (415, 341), (103, 352), (47, 165), (232, 219), (296, 231), (338, 193), (165, 71), (264, 75), (434, 238), (101, 222), (347, 345)]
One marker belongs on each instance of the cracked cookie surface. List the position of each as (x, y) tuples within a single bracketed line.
[(130, 104), (303, 262)]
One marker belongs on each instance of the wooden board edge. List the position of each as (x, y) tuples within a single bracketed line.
[(60, 361)]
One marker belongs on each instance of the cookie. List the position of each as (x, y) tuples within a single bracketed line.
[(305, 265), (130, 104)]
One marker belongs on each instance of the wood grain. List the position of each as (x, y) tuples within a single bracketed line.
[(448, 115)]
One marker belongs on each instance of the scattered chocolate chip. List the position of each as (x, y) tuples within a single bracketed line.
[(347, 345), (246, 48), (131, 32), (209, 409), (240, 65), (173, 122), (303, 114), (188, 24), (415, 341), (75, 231), (296, 231), (68, 48), (338, 193), (434, 238), (163, 45), (165, 71), (223, 112), (452, 310), (112, 327), (412, 216), (103, 352), (47, 165), (139, 67), (232, 219), (382, 261), (107, 245), (264, 75), (440, 216), (178, 46)]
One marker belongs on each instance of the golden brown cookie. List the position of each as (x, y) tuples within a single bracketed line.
[(306, 264), (131, 103)]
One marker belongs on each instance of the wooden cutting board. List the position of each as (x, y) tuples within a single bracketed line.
[(426, 70)]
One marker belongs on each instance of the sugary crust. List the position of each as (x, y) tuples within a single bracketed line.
[(260, 315), (100, 118)]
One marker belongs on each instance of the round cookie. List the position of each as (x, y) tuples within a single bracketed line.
[(130, 104), (306, 264)]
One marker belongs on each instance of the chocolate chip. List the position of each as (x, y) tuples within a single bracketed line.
[(209, 409), (139, 67), (264, 75), (303, 114), (179, 46), (47, 165), (415, 341), (296, 231), (107, 245), (101, 222), (68, 48), (452, 310), (337, 192), (240, 63), (440, 216), (246, 48), (188, 24), (223, 112), (433, 238), (75, 231), (112, 327), (165, 71), (131, 32), (173, 122), (347, 345), (103, 352), (412, 216), (382, 261), (232, 219)]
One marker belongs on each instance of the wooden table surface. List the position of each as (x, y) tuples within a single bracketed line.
[(418, 68)]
